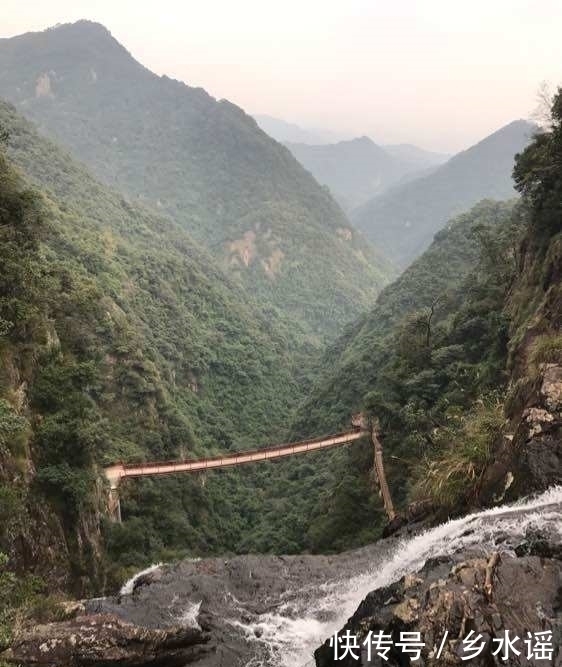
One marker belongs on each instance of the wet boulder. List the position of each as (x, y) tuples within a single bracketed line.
[(487, 595)]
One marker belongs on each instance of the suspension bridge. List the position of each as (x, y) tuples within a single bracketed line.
[(119, 471)]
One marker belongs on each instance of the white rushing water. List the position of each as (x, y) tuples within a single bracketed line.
[(129, 585), (306, 619)]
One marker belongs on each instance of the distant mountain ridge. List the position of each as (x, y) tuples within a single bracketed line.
[(354, 169), (285, 132), (202, 162), (358, 169), (415, 156), (403, 220)]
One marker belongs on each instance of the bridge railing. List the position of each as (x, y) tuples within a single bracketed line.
[(232, 456)]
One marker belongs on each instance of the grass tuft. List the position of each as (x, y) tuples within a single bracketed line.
[(450, 478)]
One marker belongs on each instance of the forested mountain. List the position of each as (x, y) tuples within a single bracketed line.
[(120, 340), (435, 339), (352, 365), (204, 163), (354, 170), (403, 220), (460, 362)]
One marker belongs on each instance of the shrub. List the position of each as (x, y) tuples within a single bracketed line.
[(452, 476), (547, 350), (16, 596), (13, 429)]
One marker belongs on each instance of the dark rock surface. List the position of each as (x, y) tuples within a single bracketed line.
[(519, 590), (215, 612), (496, 570), (232, 599), (104, 639)]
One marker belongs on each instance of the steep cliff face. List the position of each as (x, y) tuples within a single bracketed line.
[(530, 456), (535, 408), (33, 535)]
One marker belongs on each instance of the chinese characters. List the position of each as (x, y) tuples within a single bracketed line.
[(535, 646)]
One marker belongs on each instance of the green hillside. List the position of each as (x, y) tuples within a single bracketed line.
[(203, 162), (121, 340), (403, 220), (434, 343)]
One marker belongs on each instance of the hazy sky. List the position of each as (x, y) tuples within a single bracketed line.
[(439, 73)]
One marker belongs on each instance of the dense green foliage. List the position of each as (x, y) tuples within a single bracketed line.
[(403, 220), (351, 366), (538, 175), (434, 345), (204, 163), (122, 340)]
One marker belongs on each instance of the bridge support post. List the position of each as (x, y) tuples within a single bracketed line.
[(114, 505), (379, 470), (113, 475)]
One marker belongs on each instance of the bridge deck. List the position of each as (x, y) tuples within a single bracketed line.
[(119, 471)]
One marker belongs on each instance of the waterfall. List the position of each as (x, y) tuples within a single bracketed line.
[(129, 586), (269, 611), (305, 619)]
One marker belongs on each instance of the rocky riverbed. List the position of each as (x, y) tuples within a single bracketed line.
[(515, 595), (269, 611)]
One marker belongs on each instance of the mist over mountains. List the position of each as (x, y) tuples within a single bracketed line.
[(356, 169), (401, 195), (403, 220), (204, 163), (285, 132), (179, 283)]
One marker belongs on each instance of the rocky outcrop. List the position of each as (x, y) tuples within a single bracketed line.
[(233, 599), (530, 459), (104, 639), (538, 440), (519, 591)]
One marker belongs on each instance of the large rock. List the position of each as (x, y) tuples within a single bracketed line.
[(530, 459), (238, 601), (104, 639), (518, 591)]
